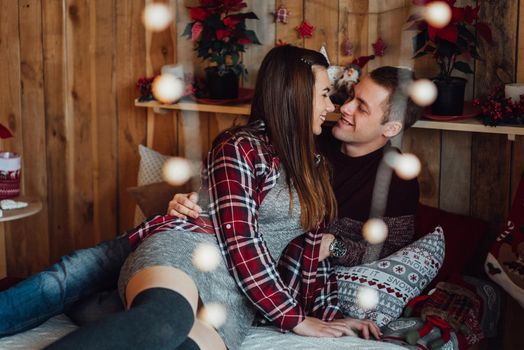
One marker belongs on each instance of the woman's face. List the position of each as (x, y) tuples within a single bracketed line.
[(321, 103)]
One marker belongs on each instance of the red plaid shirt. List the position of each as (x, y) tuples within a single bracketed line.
[(241, 170)]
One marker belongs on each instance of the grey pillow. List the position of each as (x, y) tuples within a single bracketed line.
[(395, 279)]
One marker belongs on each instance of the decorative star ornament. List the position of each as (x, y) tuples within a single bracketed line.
[(305, 30), (281, 14), (379, 47)]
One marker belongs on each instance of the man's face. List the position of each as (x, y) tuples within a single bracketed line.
[(361, 118)]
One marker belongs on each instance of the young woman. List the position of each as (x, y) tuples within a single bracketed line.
[(265, 186)]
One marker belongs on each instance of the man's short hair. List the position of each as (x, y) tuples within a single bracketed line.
[(399, 106)]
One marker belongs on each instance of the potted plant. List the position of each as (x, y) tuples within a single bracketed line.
[(219, 31), (457, 39)]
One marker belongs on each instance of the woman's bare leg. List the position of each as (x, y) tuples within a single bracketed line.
[(206, 337), (163, 277)]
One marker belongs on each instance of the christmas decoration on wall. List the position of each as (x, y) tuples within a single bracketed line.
[(379, 47), (305, 30), (347, 47), (281, 14)]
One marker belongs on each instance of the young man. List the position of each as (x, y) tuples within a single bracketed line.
[(378, 111)]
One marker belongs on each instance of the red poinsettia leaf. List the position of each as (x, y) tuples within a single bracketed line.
[(471, 14), (4, 132), (231, 21), (198, 13), (484, 30), (432, 33), (457, 14), (244, 41), (222, 33), (196, 31), (449, 33)]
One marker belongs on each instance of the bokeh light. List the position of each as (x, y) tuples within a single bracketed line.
[(423, 92), (177, 171), (437, 14), (375, 231), (408, 166), (213, 314), (367, 298), (167, 88), (157, 17), (206, 257)]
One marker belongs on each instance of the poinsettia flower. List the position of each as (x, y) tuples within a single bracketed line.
[(198, 13), (222, 34), (449, 33), (379, 47), (196, 30), (471, 14), (231, 21)]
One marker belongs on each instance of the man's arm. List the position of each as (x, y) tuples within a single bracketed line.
[(400, 233)]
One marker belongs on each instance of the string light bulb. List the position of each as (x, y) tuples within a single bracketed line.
[(408, 166), (176, 171), (437, 14), (375, 231), (423, 92), (157, 17), (213, 314), (206, 257), (367, 298), (167, 88)]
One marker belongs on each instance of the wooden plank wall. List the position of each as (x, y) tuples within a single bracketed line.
[(70, 67)]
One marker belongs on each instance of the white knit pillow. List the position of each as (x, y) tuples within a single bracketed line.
[(149, 171), (395, 279)]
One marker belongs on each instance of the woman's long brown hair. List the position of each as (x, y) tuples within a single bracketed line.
[(284, 101)]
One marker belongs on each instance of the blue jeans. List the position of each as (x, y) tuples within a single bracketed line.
[(51, 292)]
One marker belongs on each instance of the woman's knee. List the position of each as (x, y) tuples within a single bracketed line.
[(163, 277)]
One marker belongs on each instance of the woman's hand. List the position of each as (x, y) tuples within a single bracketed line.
[(365, 327), (327, 238), (183, 205), (314, 327)]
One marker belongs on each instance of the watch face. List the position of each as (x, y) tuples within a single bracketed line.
[(337, 249)]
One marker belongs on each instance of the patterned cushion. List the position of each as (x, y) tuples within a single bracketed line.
[(149, 171), (396, 279)]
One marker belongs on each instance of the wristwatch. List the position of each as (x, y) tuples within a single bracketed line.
[(337, 248)]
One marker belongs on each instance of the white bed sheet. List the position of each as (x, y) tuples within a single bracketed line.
[(259, 338)]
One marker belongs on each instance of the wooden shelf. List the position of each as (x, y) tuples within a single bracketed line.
[(243, 109), (465, 125)]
